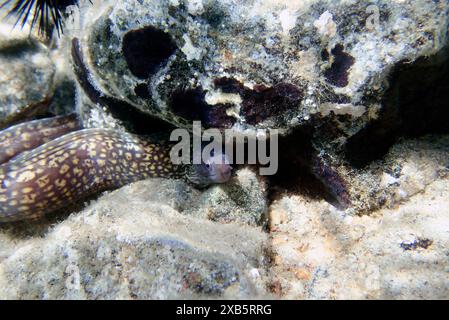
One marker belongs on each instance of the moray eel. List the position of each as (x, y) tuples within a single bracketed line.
[(85, 162), (49, 164), (29, 135)]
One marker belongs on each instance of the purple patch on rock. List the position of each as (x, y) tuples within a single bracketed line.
[(337, 74)]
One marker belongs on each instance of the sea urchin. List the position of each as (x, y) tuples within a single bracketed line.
[(47, 14)]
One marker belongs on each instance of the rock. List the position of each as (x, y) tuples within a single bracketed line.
[(255, 63), (351, 85), (37, 78), (133, 244), (408, 168), (397, 252), (26, 80), (243, 200)]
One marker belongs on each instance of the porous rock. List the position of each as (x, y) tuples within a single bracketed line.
[(255, 63), (397, 251), (27, 72), (242, 200), (134, 244)]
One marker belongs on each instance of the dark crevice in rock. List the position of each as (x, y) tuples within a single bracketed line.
[(141, 90), (415, 104), (302, 171), (135, 120), (262, 102), (16, 49), (228, 85), (338, 73), (146, 49), (34, 111), (190, 104), (325, 55)]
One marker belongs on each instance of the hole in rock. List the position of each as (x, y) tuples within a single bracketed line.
[(301, 171), (141, 90), (415, 104), (338, 73), (191, 105), (146, 49), (135, 120), (262, 102)]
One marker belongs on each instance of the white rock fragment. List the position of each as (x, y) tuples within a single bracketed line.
[(288, 20), (195, 7), (326, 25), (343, 108), (218, 97), (191, 52), (388, 180), (254, 272)]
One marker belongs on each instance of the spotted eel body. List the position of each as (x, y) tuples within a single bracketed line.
[(74, 166), (29, 135)]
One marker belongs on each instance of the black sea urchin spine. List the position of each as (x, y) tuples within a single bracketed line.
[(46, 14)]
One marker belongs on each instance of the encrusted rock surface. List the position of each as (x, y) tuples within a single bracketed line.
[(243, 200), (133, 243), (356, 92), (400, 252), (27, 72), (406, 170), (253, 63)]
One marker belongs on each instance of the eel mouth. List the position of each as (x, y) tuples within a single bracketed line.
[(224, 172)]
